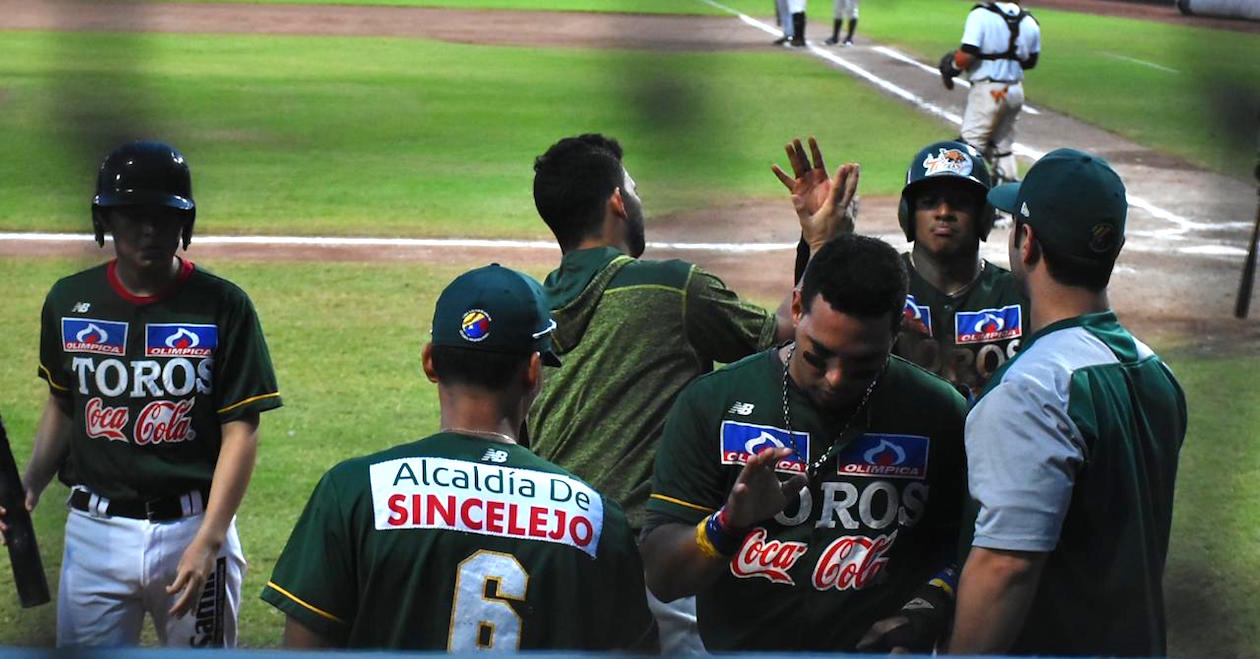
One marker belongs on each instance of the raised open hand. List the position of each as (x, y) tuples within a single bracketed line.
[(758, 494), (826, 206)]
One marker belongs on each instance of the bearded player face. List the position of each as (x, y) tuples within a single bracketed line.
[(636, 239)]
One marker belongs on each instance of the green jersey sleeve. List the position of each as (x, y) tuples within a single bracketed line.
[(245, 380), (51, 365), (688, 482), (720, 325), (314, 579)]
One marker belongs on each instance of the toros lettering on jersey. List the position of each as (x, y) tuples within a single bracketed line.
[(852, 562), (877, 506), (487, 499), (768, 559), (143, 378), (105, 422)]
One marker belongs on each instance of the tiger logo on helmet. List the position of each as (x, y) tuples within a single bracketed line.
[(947, 161)]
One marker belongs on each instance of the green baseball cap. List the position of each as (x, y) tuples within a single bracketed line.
[(1074, 201), (495, 309)]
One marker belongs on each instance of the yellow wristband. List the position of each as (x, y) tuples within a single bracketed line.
[(702, 540), (940, 583)]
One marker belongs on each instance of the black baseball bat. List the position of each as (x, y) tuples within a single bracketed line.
[(1243, 303), (28, 569)]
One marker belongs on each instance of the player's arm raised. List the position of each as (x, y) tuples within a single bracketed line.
[(52, 444), (682, 559), (237, 454)]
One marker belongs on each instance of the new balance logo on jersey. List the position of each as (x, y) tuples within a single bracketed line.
[(988, 325), (741, 441), (495, 455), (81, 307), (742, 409), (105, 337), (180, 340)]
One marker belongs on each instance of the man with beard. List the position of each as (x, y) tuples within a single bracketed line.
[(633, 332), (964, 316), (809, 495)]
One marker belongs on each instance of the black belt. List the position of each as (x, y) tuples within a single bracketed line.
[(154, 510), (1000, 82)]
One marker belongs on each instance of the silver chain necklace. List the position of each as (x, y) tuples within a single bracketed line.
[(812, 469)]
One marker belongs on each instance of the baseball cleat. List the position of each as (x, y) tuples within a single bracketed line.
[(831, 41)]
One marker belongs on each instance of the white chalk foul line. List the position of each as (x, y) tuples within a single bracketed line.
[(1134, 60), (1183, 224)]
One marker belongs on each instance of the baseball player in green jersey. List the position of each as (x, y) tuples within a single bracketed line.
[(633, 331), (964, 315), (1072, 448), (466, 540), (157, 371), (810, 494)]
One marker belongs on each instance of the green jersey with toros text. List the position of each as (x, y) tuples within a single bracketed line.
[(878, 521), (462, 543), (151, 380), (967, 336)]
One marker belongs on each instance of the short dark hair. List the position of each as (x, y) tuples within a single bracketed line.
[(477, 368), (572, 182), (859, 276), (1069, 271)]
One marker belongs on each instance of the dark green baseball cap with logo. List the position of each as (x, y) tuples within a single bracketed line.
[(495, 309), (1074, 201)]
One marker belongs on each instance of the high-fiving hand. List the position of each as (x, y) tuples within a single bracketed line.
[(826, 206), (758, 494)]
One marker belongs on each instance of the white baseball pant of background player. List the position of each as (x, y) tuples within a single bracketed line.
[(992, 110)]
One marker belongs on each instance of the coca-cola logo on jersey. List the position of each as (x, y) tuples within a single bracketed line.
[(770, 559), (105, 422), (165, 422), (852, 562)]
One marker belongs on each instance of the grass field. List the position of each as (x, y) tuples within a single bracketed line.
[(345, 340), (407, 137)]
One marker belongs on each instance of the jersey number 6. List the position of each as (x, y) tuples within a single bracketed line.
[(481, 617)]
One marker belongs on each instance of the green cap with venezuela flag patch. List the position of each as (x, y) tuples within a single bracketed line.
[(495, 309), (1074, 201)]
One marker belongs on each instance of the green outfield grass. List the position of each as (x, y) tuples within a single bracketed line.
[(345, 340), (411, 137), (1179, 89)]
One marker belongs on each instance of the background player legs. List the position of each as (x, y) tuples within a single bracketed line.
[(844, 9), (797, 9), (96, 601), (213, 621), (1003, 137), (784, 17)]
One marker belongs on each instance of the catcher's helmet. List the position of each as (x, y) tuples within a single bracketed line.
[(144, 174), (954, 159)]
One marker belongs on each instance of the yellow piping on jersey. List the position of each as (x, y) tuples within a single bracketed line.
[(680, 502), (248, 401), (295, 598), (48, 376)]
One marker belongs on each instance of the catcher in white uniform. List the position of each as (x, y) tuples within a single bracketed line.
[(1000, 41)]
